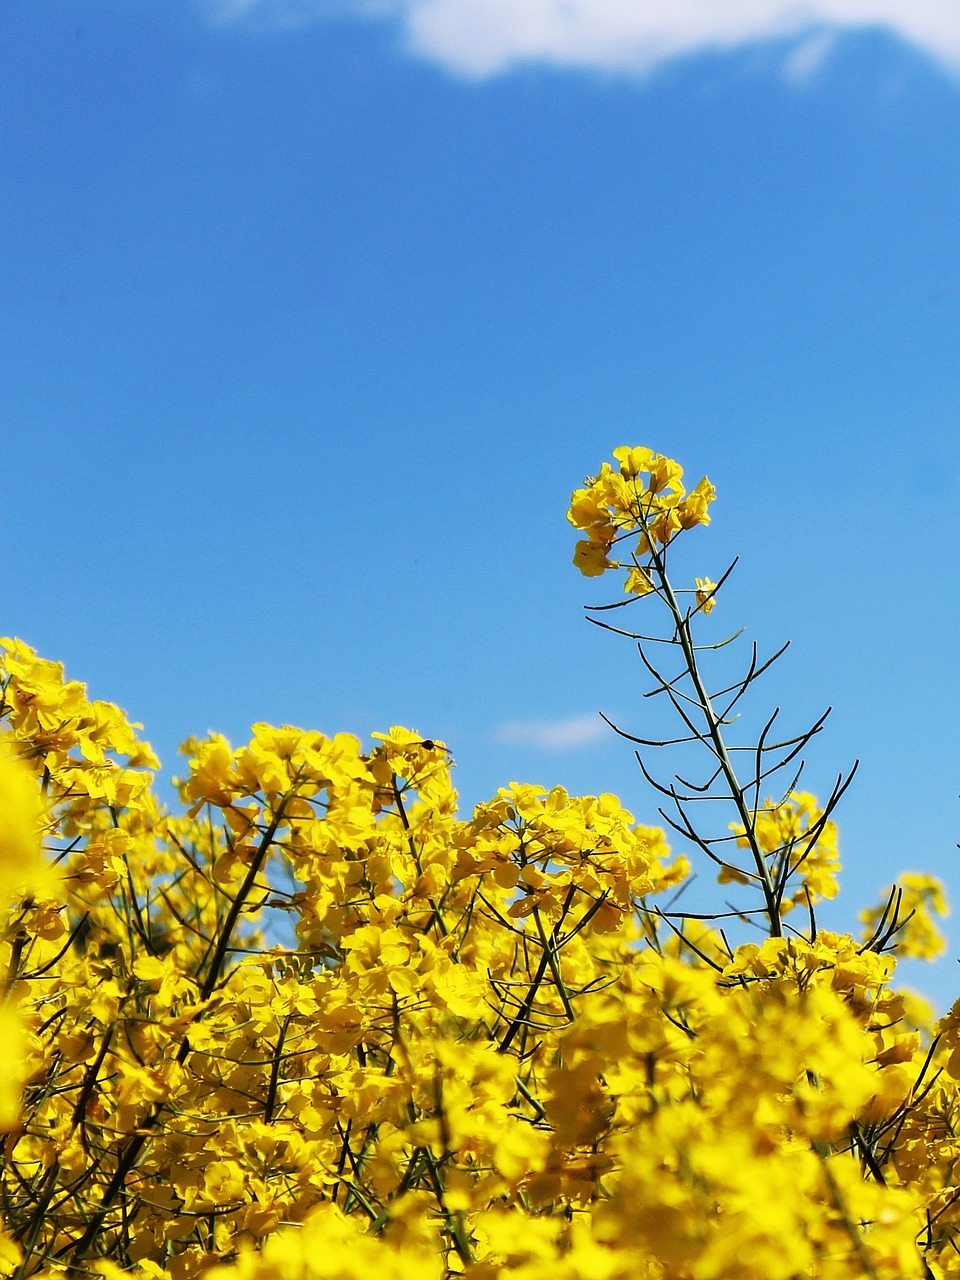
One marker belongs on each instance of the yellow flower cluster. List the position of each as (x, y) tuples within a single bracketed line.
[(322, 1026), (908, 909), (23, 874), (800, 845), (643, 502)]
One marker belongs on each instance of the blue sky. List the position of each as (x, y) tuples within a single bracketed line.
[(314, 314)]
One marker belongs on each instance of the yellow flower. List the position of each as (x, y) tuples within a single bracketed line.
[(612, 505), (13, 1068), (921, 897), (706, 594), (23, 869), (591, 558), (639, 582), (635, 460)]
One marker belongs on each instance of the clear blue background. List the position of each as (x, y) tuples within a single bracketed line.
[(306, 341)]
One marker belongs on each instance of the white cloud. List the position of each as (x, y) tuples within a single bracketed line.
[(808, 55), (482, 37), (554, 735)]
